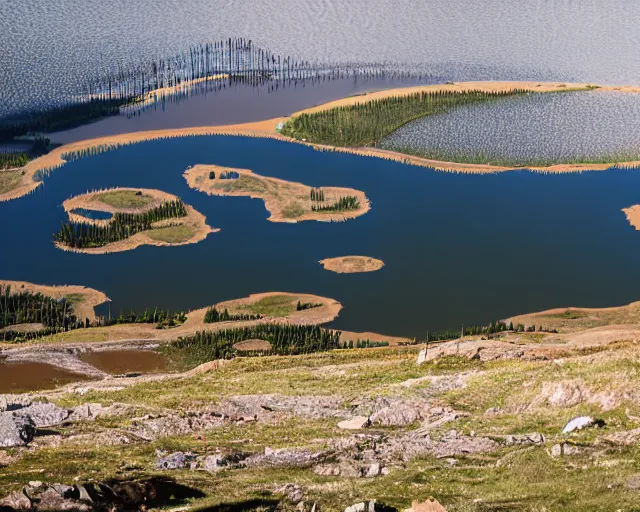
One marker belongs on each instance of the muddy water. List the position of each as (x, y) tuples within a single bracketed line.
[(117, 362), (22, 377)]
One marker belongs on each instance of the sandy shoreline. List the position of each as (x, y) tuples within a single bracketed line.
[(194, 220), (278, 195), (267, 129)]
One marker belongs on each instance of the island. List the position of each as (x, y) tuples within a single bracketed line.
[(121, 219), (286, 201), (351, 264)]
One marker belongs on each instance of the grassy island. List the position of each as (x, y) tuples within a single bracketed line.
[(352, 264), (286, 201), (137, 217)]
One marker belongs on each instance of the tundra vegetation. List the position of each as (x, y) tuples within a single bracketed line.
[(367, 123)]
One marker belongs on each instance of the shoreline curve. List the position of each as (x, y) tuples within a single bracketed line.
[(31, 179)]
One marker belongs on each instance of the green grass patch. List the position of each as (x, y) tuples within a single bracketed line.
[(569, 314), (172, 234), (75, 298), (273, 306), (10, 180), (124, 199), (292, 210)]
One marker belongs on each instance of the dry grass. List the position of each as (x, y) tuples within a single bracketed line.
[(286, 201), (9, 180), (352, 264)]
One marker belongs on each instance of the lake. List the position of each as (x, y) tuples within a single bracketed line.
[(50, 51), (457, 248)]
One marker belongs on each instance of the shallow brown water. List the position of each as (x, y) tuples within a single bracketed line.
[(117, 362), (21, 377)]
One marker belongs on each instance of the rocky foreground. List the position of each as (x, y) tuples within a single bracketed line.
[(520, 422)]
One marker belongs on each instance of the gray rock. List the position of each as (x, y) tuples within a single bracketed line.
[(16, 501), (213, 463), (176, 460), (14, 402), (345, 469), (564, 449), (51, 500), (623, 438), (15, 430), (63, 490), (518, 439), (44, 415), (292, 491), (398, 415), (283, 458), (372, 470)]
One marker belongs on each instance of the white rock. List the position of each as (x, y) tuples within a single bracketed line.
[(578, 424), (354, 423)]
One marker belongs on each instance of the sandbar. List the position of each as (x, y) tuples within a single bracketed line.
[(351, 264), (286, 201), (194, 224), (267, 129)]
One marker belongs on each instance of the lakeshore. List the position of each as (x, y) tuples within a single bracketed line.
[(285, 201), (28, 179)]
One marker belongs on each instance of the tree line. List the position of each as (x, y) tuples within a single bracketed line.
[(213, 315), (85, 235), (317, 194), (24, 307), (342, 204), (301, 306), (162, 317), (365, 124), (285, 339)]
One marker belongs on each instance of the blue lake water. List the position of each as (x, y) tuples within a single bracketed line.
[(92, 214), (457, 248)]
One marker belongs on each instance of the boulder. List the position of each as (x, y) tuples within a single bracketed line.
[(519, 439), (399, 415), (283, 458), (564, 449), (354, 423), (213, 463), (15, 430), (14, 402), (44, 415), (176, 460), (15, 501), (624, 438), (51, 500), (292, 491)]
